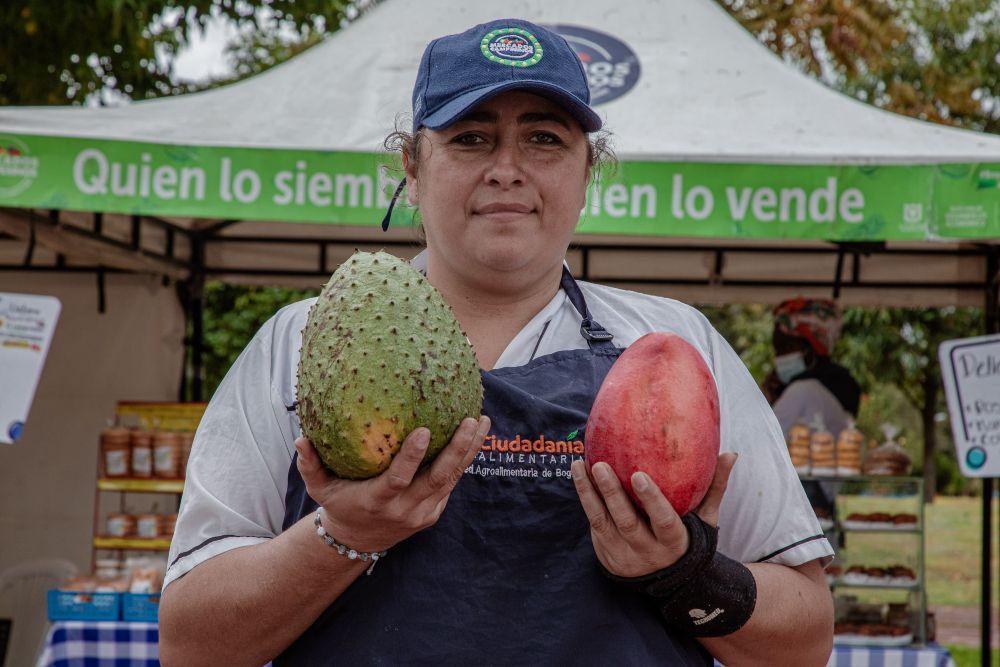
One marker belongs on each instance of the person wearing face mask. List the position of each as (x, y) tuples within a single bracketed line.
[(806, 382), (807, 385)]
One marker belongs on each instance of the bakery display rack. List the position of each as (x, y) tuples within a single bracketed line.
[(877, 578)]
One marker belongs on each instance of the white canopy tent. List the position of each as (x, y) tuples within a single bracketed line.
[(703, 100), (704, 95), (707, 92), (741, 180)]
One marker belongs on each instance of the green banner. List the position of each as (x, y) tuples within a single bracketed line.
[(722, 200)]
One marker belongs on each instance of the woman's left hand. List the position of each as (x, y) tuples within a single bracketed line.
[(626, 543)]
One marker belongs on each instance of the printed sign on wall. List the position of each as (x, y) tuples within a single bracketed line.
[(27, 322)]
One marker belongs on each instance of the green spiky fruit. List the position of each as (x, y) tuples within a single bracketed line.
[(382, 354)]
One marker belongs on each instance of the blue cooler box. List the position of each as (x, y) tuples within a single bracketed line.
[(140, 606), (77, 606)]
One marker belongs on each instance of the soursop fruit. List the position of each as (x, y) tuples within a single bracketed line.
[(382, 354)]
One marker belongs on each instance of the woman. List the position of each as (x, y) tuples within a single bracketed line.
[(807, 386), (481, 567)]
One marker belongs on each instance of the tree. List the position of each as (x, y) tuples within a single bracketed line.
[(233, 314), (54, 52), (899, 346), (936, 61)]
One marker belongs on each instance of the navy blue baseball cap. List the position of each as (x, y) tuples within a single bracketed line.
[(457, 72)]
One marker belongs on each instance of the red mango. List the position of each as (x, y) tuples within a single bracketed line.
[(658, 411)]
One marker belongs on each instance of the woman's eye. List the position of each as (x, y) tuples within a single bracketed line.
[(468, 139), (546, 138)]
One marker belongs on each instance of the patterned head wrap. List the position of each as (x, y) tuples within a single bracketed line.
[(816, 320)]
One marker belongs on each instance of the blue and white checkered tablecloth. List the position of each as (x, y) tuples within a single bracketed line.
[(101, 644), (128, 644), (877, 656), (931, 655)]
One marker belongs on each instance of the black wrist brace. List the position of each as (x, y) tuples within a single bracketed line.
[(704, 594)]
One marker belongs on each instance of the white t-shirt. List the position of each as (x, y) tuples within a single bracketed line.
[(803, 400), (238, 469)]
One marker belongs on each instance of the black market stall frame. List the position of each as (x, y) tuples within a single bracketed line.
[(695, 270)]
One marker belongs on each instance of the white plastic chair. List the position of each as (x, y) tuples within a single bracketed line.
[(23, 594)]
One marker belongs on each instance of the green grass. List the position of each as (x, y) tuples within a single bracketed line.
[(954, 551), (966, 656)]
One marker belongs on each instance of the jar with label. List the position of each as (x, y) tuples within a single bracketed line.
[(115, 451), (142, 454), (148, 525), (167, 454), (120, 525)]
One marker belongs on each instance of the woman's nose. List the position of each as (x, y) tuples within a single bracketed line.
[(505, 168)]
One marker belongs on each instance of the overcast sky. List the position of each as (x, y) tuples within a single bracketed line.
[(203, 58)]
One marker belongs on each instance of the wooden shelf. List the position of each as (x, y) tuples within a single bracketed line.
[(137, 543), (141, 485)]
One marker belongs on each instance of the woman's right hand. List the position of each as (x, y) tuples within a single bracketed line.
[(378, 513)]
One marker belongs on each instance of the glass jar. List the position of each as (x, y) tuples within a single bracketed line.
[(167, 454), (115, 451), (142, 454)]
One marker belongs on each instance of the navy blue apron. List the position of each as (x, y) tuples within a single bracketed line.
[(508, 575)]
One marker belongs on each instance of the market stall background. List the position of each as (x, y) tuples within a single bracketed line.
[(276, 179)]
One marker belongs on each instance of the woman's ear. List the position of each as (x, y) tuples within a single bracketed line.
[(410, 169)]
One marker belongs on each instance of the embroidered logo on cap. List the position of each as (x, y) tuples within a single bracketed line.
[(511, 46)]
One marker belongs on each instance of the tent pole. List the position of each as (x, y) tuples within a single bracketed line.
[(992, 321), (992, 316), (197, 313), (986, 624), (838, 273)]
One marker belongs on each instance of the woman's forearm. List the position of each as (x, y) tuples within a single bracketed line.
[(792, 622), (246, 606)]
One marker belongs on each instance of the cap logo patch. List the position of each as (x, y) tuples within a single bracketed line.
[(511, 46)]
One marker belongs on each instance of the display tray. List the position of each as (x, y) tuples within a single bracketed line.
[(827, 474), (873, 640), (880, 526), (864, 581)]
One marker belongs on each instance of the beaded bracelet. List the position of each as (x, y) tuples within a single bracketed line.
[(345, 550)]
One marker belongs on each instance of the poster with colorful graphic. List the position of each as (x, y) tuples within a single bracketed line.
[(27, 322), (970, 372)]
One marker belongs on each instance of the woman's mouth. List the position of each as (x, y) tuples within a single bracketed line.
[(504, 211)]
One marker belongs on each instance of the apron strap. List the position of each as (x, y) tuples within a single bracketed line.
[(592, 332)]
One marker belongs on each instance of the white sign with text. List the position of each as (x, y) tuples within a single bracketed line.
[(27, 322), (970, 372)]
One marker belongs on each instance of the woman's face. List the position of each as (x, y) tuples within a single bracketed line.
[(500, 191)]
